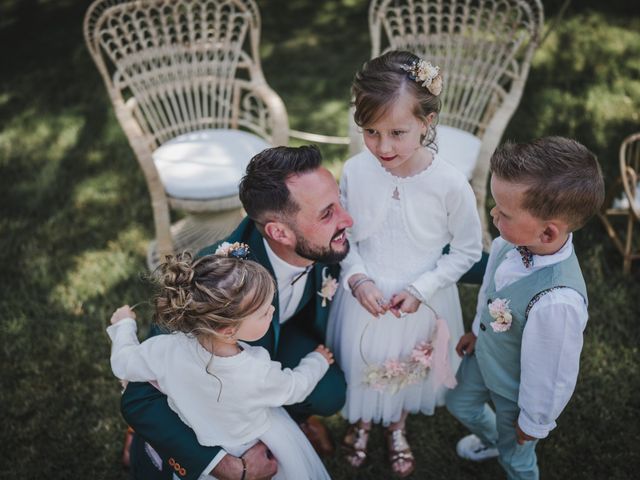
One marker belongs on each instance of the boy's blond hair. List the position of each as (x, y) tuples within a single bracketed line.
[(563, 177)]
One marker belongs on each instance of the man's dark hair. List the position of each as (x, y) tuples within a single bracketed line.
[(263, 189)]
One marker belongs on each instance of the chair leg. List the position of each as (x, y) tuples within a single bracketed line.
[(613, 235), (626, 265), (484, 223)]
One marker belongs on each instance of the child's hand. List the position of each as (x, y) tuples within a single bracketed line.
[(523, 437), (369, 296), (122, 313), (466, 345), (403, 303), (326, 353)]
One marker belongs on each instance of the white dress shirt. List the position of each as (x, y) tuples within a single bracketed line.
[(289, 296), (551, 340)]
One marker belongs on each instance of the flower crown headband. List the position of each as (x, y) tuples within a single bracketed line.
[(425, 72), (235, 250)]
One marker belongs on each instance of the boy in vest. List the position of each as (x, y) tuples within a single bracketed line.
[(524, 348)]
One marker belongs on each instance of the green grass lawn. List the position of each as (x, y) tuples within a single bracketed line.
[(75, 222)]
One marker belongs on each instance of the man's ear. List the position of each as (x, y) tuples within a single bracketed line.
[(280, 232)]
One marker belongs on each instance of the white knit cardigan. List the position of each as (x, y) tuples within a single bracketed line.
[(439, 208)]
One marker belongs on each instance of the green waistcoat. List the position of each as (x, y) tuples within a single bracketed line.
[(498, 353)]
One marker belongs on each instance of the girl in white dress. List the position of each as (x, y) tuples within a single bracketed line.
[(407, 204), (230, 393)]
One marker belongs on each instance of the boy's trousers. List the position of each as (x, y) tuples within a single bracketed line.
[(468, 402)]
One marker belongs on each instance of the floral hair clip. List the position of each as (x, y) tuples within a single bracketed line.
[(425, 72), (235, 250)]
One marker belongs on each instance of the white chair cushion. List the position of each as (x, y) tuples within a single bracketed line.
[(622, 202), (206, 164), (458, 147)]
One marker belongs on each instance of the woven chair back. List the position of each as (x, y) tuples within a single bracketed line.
[(179, 65), (482, 47), (630, 171)]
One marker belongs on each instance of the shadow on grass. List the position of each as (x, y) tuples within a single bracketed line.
[(75, 219)]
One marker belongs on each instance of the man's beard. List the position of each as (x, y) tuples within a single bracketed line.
[(319, 254)]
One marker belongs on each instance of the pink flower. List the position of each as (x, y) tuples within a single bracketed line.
[(395, 374), (500, 311), (422, 354), (394, 367), (498, 307), (499, 327)]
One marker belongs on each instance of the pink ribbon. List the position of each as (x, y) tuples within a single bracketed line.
[(440, 367)]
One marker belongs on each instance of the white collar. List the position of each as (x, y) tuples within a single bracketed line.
[(540, 261), (284, 271)]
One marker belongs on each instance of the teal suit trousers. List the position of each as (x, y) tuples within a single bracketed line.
[(469, 403)]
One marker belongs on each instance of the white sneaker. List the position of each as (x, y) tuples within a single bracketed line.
[(472, 448)]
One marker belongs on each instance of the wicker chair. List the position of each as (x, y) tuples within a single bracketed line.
[(185, 80), (628, 204), (484, 48)]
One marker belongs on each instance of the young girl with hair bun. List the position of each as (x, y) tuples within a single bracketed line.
[(229, 392), (407, 204)]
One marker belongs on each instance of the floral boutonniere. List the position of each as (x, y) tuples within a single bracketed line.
[(329, 287), (499, 309)]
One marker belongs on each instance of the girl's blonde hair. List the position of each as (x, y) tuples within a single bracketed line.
[(204, 295), (379, 84)]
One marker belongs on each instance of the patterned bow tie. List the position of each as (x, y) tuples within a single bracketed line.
[(527, 256)]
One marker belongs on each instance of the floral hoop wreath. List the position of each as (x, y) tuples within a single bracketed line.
[(393, 375)]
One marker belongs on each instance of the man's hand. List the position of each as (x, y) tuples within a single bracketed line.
[(261, 465), (369, 296), (523, 437), (466, 345), (403, 303), (122, 313)]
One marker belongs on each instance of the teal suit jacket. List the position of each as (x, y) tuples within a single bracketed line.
[(249, 234), (146, 409)]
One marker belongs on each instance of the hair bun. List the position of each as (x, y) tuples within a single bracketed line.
[(177, 272)]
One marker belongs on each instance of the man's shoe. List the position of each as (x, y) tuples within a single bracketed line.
[(472, 448), (318, 436)]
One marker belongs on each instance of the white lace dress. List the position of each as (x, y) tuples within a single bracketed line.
[(393, 261)]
